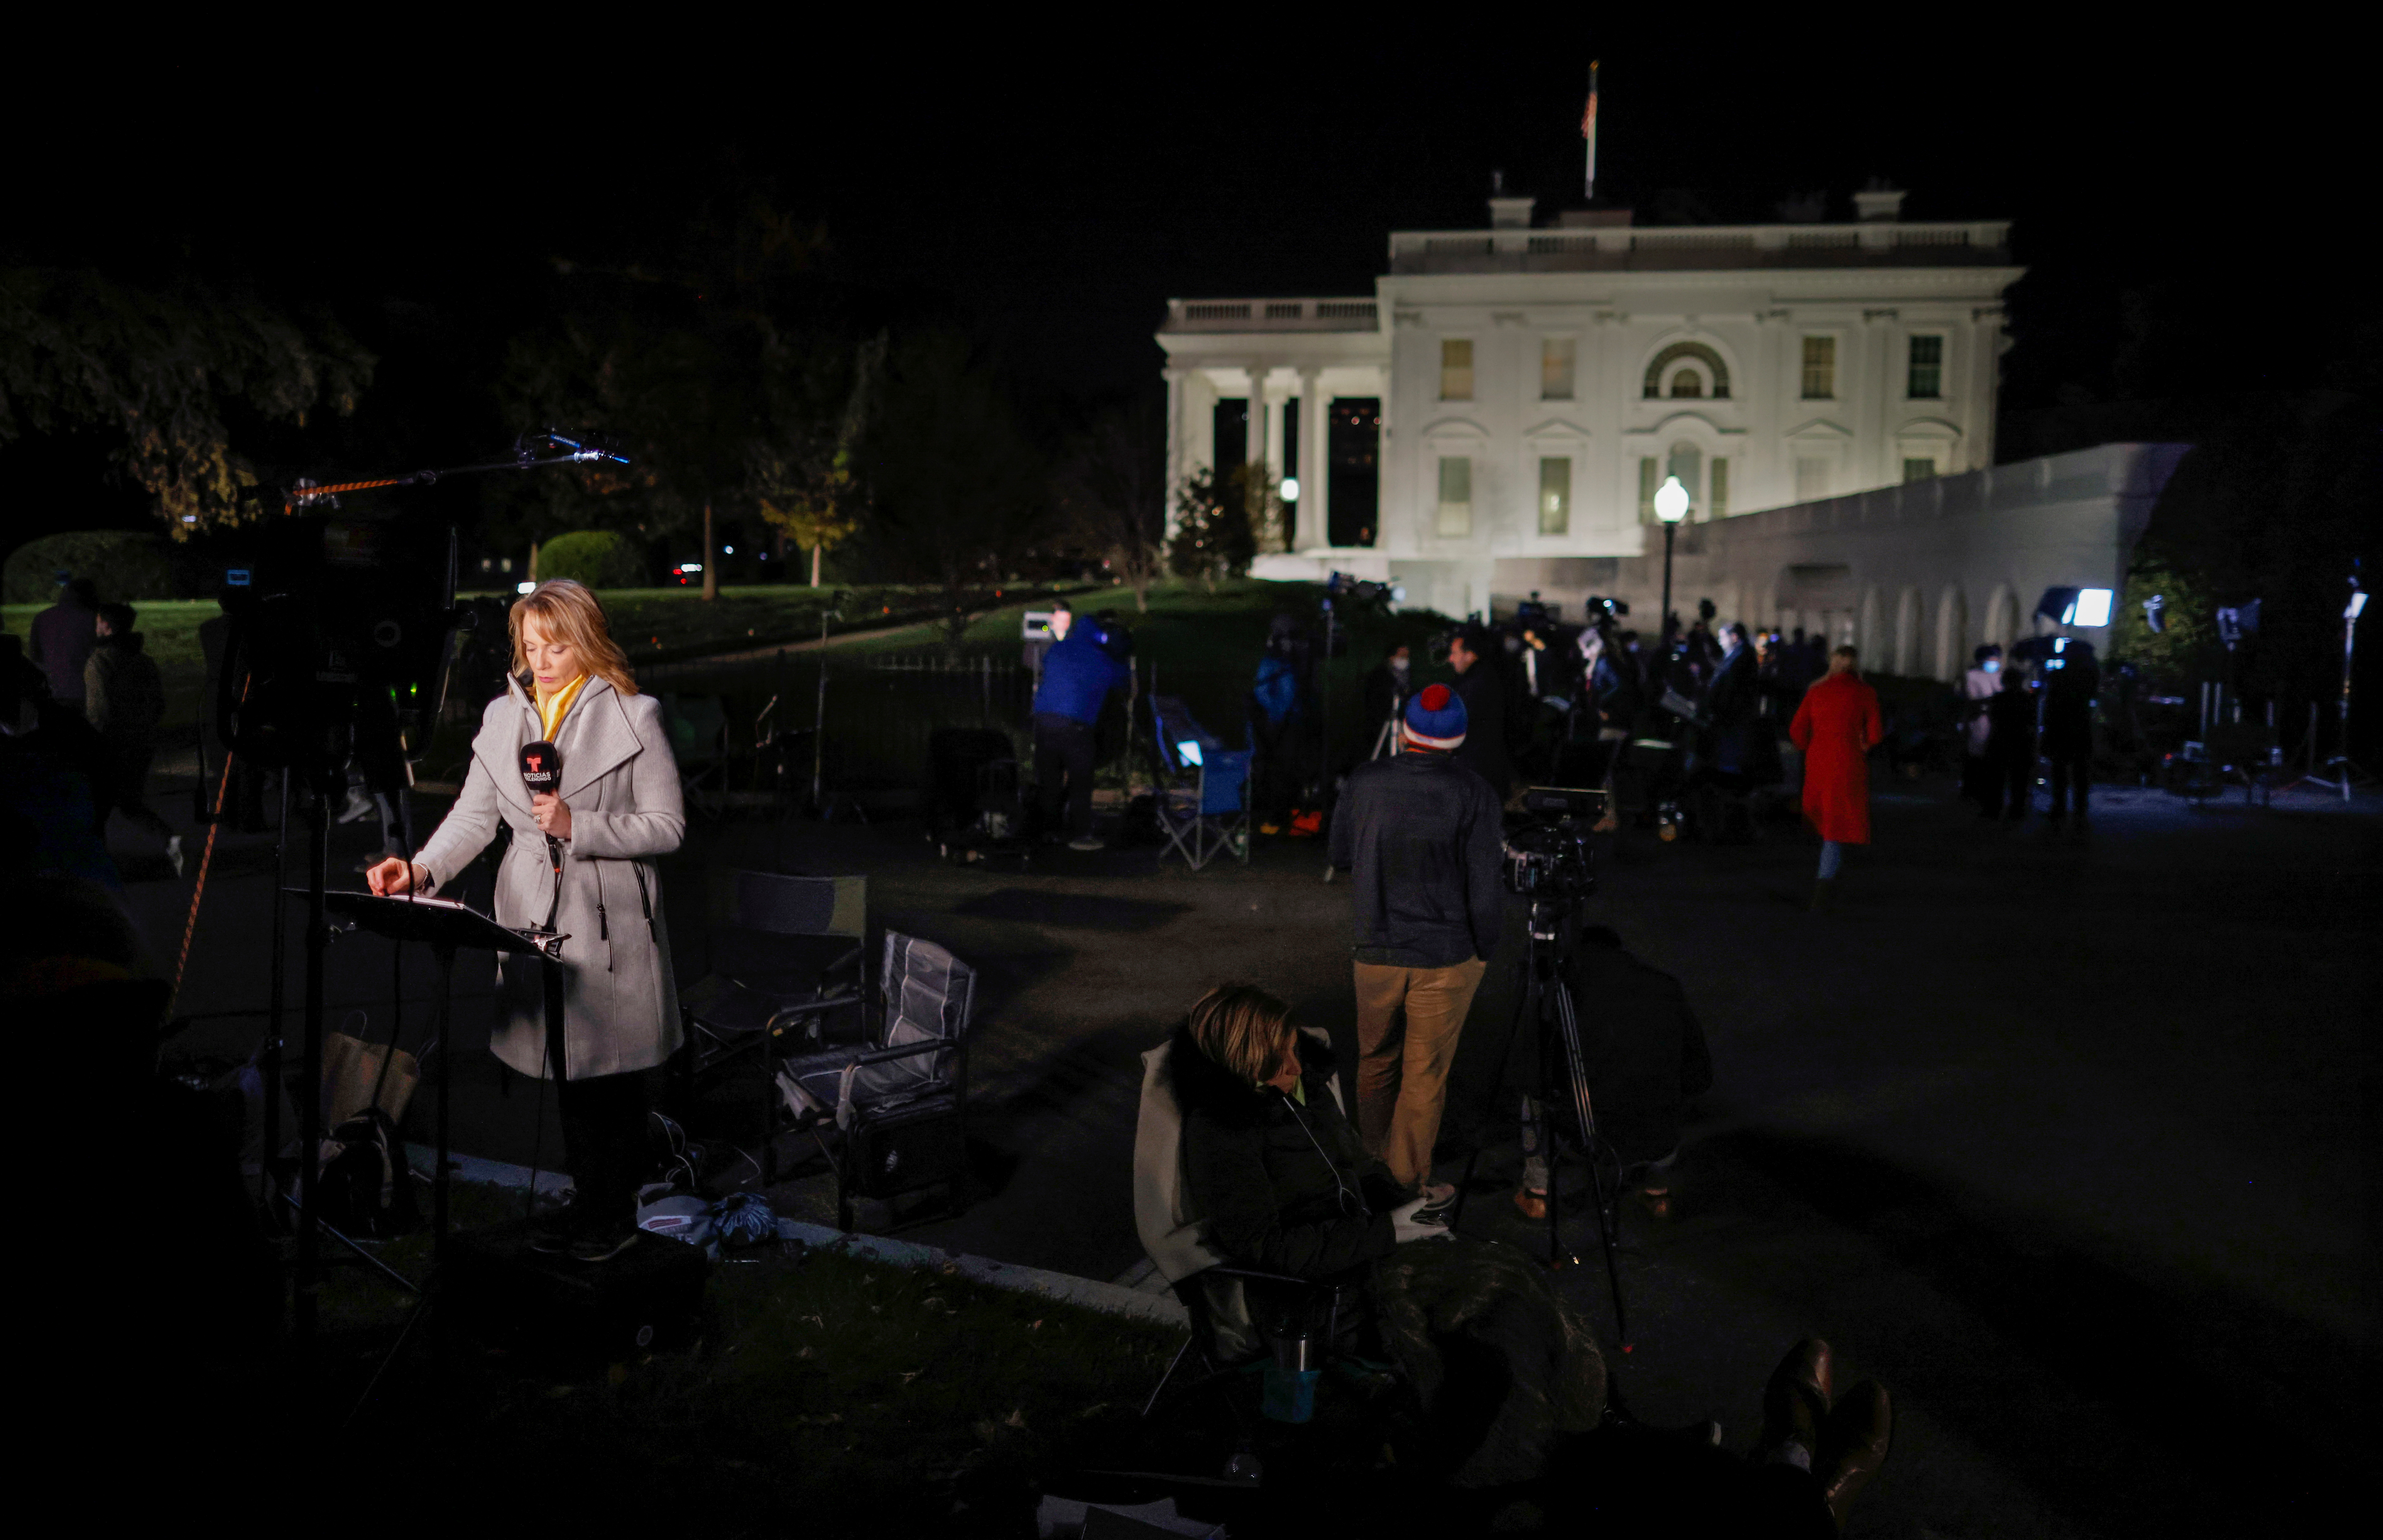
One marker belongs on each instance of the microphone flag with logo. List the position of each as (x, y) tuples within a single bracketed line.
[(541, 767)]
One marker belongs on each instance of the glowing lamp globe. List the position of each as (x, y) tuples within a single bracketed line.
[(1671, 500)]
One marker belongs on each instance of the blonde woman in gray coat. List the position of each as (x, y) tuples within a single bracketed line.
[(616, 811)]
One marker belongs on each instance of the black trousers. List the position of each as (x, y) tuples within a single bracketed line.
[(1063, 748), (604, 1142), (2069, 770)]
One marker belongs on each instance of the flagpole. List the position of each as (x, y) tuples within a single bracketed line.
[(1588, 133)]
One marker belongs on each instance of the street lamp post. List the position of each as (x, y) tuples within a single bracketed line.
[(1670, 506)]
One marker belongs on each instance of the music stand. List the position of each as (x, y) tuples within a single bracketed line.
[(447, 927)]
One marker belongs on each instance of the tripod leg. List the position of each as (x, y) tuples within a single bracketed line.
[(1608, 1218)]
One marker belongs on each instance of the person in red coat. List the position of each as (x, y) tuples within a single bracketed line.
[(1836, 727)]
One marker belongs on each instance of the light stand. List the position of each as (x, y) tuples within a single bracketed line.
[(1671, 506), (2344, 773)]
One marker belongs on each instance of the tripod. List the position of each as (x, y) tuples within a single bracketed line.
[(1544, 1001)]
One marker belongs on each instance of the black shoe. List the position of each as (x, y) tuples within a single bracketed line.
[(603, 1245)]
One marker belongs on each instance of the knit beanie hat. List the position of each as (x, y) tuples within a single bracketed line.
[(1435, 718)]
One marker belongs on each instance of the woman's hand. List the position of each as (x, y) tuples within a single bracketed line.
[(552, 813), (394, 876)]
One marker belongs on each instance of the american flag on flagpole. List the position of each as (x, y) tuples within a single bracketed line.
[(1588, 133)]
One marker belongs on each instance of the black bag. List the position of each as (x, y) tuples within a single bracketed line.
[(367, 1188)]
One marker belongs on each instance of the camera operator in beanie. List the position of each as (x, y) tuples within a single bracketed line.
[(1077, 674), (1424, 837)]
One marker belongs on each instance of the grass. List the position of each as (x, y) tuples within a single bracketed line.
[(1205, 645), (819, 1385)]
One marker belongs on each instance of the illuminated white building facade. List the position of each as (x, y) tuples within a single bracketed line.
[(1495, 418)]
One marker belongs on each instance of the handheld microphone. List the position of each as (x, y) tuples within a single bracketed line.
[(541, 770), (541, 767)]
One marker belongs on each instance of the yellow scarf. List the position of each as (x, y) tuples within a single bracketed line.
[(550, 707)]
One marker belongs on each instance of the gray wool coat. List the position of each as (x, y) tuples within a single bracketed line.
[(620, 784)]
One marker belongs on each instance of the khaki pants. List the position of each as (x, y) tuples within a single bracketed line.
[(1408, 1019)]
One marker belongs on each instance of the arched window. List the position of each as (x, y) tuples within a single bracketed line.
[(1687, 385), (1657, 369)]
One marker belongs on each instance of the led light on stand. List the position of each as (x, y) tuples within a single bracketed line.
[(1190, 751), (524, 588), (2093, 607), (728, 550)]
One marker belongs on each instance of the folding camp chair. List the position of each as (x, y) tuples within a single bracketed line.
[(787, 954), (1204, 808), (896, 1102), (1226, 1333)]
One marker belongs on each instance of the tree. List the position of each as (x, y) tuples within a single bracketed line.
[(1261, 496), (955, 491), (696, 361), (1111, 492), (163, 373), (1213, 538), (806, 482)]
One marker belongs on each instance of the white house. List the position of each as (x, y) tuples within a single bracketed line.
[(1496, 417)]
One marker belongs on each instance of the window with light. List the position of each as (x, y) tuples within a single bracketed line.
[(1555, 496), (1556, 358), (1456, 369), (1819, 368)]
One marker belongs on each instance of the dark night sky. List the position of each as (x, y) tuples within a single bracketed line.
[(1053, 188)]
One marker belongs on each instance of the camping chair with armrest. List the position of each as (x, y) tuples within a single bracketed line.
[(896, 1102), (1204, 804), (1227, 1332), (787, 956)]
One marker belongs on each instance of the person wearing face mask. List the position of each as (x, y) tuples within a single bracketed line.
[(616, 812)]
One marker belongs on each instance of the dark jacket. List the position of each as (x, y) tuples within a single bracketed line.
[(1424, 836), (1484, 749), (1078, 676), (2069, 711), (2010, 725), (1280, 1187), (122, 692), (63, 636)]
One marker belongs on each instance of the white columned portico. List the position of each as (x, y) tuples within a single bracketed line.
[(1258, 451), (1179, 440), (1313, 533)]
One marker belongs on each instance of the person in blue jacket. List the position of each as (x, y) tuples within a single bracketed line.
[(1077, 674)]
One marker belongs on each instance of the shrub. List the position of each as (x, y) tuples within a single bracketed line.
[(126, 565), (599, 558)]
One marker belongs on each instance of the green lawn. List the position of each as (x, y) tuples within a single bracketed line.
[(1205, 645)]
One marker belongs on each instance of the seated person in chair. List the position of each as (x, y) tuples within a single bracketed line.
[(1281, 1184), (1269, 1163)]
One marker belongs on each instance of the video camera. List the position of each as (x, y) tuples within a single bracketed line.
[(340, 635), (1547, 856)]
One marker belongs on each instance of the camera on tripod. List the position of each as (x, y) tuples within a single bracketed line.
[(341, 634), (1549, 859)]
